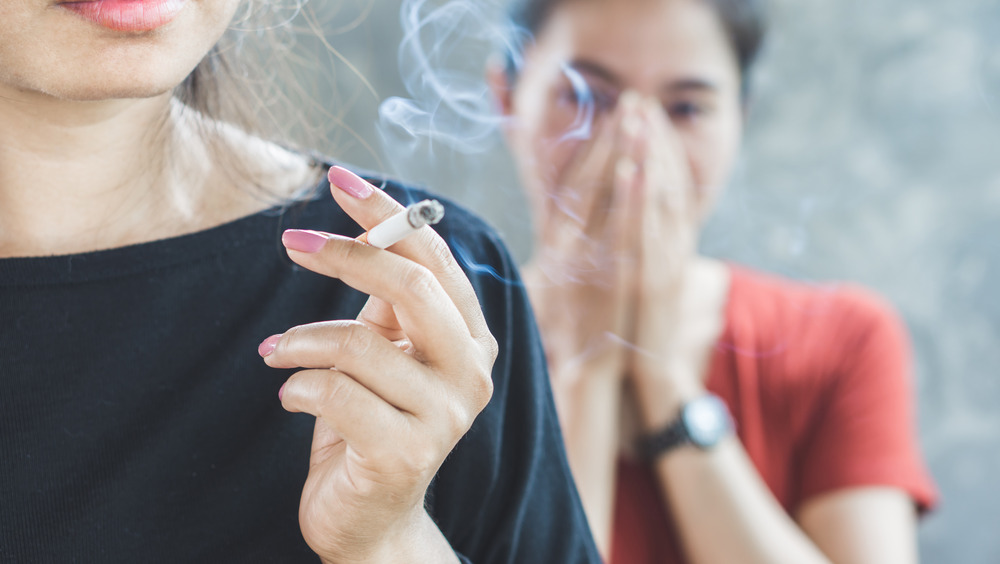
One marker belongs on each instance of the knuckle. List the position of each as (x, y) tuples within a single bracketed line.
[(420, 462), (441, 254), (356, 339), (482, 389), (492, 347), (346, 254), (302, 390), (410, 465), (418, 282), (337, 390), (458, 419), (290, 342), (384, 206)]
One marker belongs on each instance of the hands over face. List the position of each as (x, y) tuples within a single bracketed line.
[(392, 391), (615, 242), (580, 279)]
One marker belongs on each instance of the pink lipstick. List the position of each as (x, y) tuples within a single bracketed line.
[(128, 15)]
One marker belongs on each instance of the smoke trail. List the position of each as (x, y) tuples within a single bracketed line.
[(442, 58), (447, 129)]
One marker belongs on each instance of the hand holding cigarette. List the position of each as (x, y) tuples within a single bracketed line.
[(387, 416)]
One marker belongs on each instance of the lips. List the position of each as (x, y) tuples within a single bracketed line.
[(128, 15)]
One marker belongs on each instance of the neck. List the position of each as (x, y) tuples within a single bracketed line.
[(83, 176), (67, 168)]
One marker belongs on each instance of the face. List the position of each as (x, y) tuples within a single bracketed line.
[(103, 49), (673, 50)]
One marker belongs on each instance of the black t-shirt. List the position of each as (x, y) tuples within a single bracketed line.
[(139, 424)]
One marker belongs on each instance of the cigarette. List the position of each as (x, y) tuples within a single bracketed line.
[(403, 224)]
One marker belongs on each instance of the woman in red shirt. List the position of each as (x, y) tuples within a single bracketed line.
[(626, 117)]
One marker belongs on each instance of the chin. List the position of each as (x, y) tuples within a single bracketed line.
[(108, 88), (109, 78), (77, 60)]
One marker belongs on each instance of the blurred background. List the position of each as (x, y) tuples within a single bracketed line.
[(872, 154)]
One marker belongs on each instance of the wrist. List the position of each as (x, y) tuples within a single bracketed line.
[(415, 538), (703, 423), (661, 391)]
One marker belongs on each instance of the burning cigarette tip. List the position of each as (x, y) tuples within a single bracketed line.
[(404, 224), (427, 212)]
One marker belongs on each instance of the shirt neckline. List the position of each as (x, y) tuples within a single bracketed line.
[(254, 229)]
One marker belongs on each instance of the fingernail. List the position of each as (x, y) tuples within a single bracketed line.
[(268, 346), (303, 241), (349, 182), (281, 391)]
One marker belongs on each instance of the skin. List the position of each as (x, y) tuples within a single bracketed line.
[(80, 102), (89, 127), (628, 309)]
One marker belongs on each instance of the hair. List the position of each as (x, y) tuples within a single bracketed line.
[(744, 22), (224, 87), (264, 78)]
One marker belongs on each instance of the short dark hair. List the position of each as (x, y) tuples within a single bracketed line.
[(744, 22)]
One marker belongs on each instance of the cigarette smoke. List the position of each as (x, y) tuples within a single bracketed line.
[(442, 58), (449, 119)]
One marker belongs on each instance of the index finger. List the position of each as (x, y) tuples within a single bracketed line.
[(370, 206), (424, 312)]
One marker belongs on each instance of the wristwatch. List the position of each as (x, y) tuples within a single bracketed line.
[(702, 422)]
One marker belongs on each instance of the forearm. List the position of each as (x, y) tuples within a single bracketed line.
[(724, 511), (588, 403)]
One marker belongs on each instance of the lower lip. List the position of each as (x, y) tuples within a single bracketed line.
[(128, 15)]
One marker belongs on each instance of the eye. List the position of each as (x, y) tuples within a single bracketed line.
[(582, 95), (604, 101), (686, 110), (568, 96), (586, 93)]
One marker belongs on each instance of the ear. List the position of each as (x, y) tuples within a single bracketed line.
[(500, 85)]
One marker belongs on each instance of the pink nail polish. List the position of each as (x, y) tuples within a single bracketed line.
[(268, 346), (281, 391), (303, 241), (349, 182)]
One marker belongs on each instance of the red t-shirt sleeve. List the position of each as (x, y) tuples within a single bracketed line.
[(864, 433)]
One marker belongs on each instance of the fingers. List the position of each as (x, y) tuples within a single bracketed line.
[(425, 312), (584, 181), (352, 348), (352, 411), (393, 444), (370, 206), (665, 162), (585, 190)]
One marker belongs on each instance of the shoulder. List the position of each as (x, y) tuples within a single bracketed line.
[(829, 307), (809, 331)]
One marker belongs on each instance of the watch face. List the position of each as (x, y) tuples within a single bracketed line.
[(706, 420)]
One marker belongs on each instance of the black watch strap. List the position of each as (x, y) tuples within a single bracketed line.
[(702, 422), (654, 445)]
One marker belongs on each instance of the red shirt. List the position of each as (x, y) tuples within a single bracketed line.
[(818, 380)]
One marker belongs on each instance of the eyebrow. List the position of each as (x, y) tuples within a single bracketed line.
[(683, 85)]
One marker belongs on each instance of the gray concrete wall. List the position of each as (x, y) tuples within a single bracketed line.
[(872, 154)]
